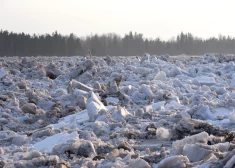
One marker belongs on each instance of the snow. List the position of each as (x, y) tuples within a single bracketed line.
[(163, 134), (158, 108)]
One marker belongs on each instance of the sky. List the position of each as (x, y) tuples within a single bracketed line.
[(152, 18)]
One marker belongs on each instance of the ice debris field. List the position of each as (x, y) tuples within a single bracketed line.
[(120, 112)]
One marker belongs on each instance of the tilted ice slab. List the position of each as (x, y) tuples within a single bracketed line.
[(2, 73), (72, 120), (94, 105), (47, 144)]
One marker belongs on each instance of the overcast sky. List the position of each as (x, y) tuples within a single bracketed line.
[(153, 18)]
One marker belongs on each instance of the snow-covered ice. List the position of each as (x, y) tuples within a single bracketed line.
[(147, 111), (47, 144)]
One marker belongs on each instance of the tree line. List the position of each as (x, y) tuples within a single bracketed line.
[(55, 44)]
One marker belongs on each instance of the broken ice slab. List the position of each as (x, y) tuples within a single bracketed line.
[(173, 104), (152, 144), (79, 85), (47, 144), (178, 146), (73, 119), (112, 100), (80, 117), (2, 74), (155, 106), (204, 80), (74, 59), (94, 105)]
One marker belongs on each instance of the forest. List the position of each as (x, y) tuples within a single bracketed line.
[(131, 44)]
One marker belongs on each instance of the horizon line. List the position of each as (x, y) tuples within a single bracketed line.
[(101, 34)]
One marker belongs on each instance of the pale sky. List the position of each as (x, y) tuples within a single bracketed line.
[(153, 18)]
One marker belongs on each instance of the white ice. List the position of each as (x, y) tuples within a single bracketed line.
[(47, 144)]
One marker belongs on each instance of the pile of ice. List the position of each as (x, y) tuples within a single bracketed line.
[(136, 112)]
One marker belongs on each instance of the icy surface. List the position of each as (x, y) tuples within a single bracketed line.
[(203, 80), (147, 111), (2, 73), (47, 144)]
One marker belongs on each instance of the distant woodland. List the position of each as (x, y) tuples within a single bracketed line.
[(55, 44)]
